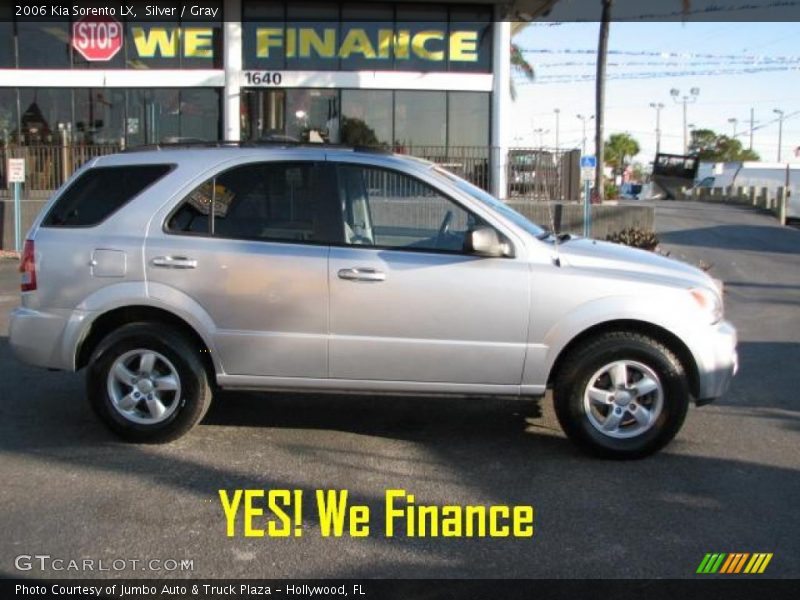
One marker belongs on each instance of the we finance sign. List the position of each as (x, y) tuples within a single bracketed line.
[(435, 44), (399, 46), (328, 46)]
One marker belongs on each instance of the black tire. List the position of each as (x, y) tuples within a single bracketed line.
[(192, 401), (581, 365)]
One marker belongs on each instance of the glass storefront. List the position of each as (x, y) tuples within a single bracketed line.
[(303, 37), (368, 118), (126, 117), (468, 119), (311, 71), (420, 119), (397, 119)]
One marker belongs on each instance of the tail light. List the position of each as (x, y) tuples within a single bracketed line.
[(27, 266)]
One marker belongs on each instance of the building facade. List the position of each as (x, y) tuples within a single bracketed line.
[(423, 78)]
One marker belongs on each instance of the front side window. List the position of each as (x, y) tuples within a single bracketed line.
[(261, 201), (490, 201), (392, 210)]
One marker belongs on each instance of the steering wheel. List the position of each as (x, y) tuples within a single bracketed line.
[(444, 227)]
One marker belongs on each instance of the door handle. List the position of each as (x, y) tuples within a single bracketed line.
[(356, 274), (174, 262)]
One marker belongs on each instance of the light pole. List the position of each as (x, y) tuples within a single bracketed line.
[(585, 119), (558, 114), (733, 121), (691, 97), (658, 106), (541, 133), (780, 131)]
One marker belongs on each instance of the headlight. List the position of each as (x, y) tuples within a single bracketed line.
[(709, 302)]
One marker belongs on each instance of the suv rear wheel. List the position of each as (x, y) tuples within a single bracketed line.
[(147, 382), (621, 395)]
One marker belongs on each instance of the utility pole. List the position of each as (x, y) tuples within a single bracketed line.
[(584, 119), (733, 121), (600, 101), (658, 106), (558, 114), (752, 125), (780, 131), (676, 97)]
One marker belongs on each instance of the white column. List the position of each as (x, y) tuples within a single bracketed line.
[(232, 62), (501, 106)]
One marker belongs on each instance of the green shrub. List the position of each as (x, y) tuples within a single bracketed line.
[(610, 190), (637, 238)]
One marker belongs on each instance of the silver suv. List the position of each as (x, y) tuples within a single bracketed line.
[(169, 273)]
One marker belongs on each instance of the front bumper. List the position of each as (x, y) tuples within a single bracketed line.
[(717, 362)]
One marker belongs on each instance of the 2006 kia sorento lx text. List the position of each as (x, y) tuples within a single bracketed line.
[(168, 272)]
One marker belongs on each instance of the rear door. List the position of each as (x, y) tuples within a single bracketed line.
[(407, 304), (251, 246)]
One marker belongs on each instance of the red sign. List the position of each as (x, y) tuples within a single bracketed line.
[(97, 38)]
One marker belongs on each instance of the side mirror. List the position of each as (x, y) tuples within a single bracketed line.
[(484, 241)]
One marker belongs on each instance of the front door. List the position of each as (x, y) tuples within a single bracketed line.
[(407, 304)]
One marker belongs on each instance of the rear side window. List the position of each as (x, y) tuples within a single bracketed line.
[(101, 191), (283, 202)]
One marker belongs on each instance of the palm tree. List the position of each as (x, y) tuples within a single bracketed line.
[(519, 64), (618, 148)]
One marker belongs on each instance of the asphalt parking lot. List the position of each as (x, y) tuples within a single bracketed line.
[(729, 483)]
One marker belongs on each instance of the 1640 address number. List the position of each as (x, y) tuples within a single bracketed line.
[(264, 78)]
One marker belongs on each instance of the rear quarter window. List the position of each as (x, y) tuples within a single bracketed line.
[(98, 192)]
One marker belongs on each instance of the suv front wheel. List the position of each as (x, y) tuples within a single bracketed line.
[(147, 382), (621, 395)]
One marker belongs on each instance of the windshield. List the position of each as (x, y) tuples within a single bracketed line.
[(492, 202)]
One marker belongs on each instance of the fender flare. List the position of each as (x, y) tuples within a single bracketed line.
[(602, 311), (138, 293)]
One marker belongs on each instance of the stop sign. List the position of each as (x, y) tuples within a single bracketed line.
[(97, 38)]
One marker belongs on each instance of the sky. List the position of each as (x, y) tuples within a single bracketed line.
[(729, 46)]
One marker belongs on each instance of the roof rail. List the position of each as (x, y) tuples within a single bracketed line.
[(256, 144)]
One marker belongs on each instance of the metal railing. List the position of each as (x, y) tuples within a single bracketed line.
[(543, 174), (47, 167), (470, 162), (534, 174)]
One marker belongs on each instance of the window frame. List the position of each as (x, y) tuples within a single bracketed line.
[(325, 219), (337, 164), (170, 168)]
